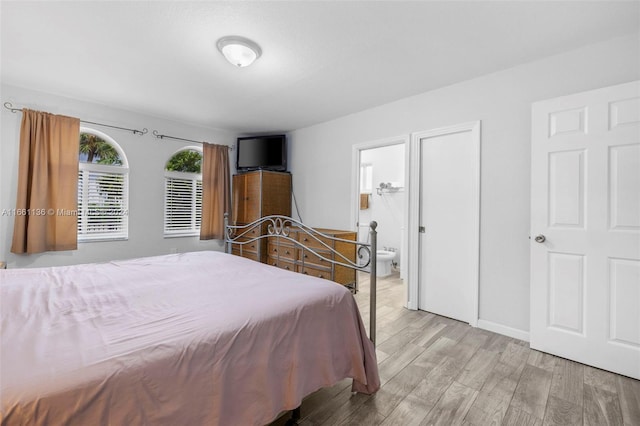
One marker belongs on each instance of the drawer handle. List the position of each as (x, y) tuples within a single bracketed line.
[(306, 273), (275, 250), (306, 256), (253, 246), (320, 276), (287, 252), (287, 268), (305, 239)]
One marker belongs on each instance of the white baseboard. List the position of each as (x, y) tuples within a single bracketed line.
[(503, 329)]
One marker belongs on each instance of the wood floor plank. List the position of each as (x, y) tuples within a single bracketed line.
[(452, 407), (601, 408), (425, 319), (434, 353), (393, 365), (562, 413), (457, 330), (437, 381), (497, 343), (381, 356), (542, 360), (477, 370), (399, 340), (461, 352), (494, 398), (516, 417), (429, 334), (487, 411), (381, 336), (337, 408), (389, 318), (600, 378), (567, 382), (409, 412), (396, 389), (475, 337), (532, 391), (504, 375), (514, 354), (402, 322), (362, 417), (629, 394)]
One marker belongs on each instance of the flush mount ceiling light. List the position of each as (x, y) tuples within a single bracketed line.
[(240, 51)]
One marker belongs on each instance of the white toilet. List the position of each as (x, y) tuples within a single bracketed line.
[(383, 262)]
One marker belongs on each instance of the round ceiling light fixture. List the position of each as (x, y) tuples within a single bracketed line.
[(240, 51)]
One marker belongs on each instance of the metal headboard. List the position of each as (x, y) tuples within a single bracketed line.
[(280, 226)]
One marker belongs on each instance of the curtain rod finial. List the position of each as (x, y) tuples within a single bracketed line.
[(9, 106)]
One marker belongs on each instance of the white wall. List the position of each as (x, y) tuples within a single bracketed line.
[(321, 156), (386, 209), (147, 156)]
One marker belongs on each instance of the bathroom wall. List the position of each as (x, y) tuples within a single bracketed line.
[(386, 209)]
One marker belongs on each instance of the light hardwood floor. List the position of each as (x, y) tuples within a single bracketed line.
[(437, 371)]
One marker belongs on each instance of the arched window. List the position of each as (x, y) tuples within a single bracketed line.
[(183, 193), (103, 188)]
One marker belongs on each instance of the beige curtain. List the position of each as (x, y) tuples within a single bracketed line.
[(216, 193), (47, 199)]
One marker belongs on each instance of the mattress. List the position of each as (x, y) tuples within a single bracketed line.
[(193, 338)]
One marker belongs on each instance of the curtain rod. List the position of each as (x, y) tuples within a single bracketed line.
[(10, 107), (159, 136)]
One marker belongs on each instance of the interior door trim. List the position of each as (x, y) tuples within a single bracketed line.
[(355, 186)]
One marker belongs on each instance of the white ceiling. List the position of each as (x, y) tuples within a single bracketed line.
[(321, 60)]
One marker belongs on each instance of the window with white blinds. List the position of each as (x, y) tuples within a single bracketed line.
[(103, 189), (102, 202), (183, 194), (183, 204)]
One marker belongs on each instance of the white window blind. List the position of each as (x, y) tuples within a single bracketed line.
[(182, 204), (103, 210)]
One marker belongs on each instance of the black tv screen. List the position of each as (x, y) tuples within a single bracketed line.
[(262, 153)]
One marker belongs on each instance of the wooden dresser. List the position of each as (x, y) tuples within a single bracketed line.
[(254, 195), (287, 255), (264, 193)]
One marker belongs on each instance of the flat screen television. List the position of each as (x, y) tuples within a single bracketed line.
[(262, 153)]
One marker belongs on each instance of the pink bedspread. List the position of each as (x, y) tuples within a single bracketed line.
[(200, 338)]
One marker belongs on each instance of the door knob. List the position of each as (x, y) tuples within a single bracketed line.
[(540, 238)]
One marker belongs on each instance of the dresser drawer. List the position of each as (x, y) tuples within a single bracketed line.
[(311, 259), (283, 251), (315, 272), (280, 263), (314, 241), (251, 247), (247, 233)]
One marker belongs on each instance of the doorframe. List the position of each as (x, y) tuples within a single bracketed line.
[(356, 149), (413, 222)]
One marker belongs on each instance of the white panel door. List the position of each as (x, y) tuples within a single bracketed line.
[(585, 228), (449, 214)]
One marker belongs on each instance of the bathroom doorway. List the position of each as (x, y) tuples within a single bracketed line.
[(380, 173)]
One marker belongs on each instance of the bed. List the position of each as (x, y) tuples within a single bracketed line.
[(192, 338)]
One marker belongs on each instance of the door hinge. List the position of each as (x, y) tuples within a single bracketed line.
[(421, 229)]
